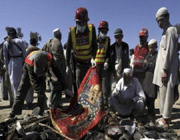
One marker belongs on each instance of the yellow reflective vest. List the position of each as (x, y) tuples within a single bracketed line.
[(101, 52), (82, 44)]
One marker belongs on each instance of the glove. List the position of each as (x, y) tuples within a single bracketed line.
[(69, 93), (106, 66), (93, 63)]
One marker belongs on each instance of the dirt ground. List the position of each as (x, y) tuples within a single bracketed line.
[(5, 110)]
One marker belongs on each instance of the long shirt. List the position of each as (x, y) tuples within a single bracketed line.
[(132, 91), (167, 58), (14, 59)]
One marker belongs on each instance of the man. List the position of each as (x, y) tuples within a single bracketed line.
[(102, 57), (128, 97), (82, 40), (140, 52), (14, 51), (119, 55), (36, 65), (166, 69), (56, 50), (5, 83)]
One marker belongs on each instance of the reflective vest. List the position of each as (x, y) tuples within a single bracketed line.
[(82, 44), (30, 58), (101, 52)]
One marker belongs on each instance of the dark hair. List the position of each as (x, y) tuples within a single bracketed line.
[(33, 41), (132, 51)]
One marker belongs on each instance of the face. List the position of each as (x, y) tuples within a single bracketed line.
[(104, 31), (118, 38), (81, 23), (152, 48), (163, 21), (143, 39), (127, 78)]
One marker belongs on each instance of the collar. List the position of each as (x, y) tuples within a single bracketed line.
[(86, 30)]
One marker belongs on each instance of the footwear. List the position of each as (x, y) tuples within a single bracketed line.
[(11, 103), (163, 123), (11, 116)]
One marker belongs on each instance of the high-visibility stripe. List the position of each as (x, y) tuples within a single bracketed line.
[(82, 52), (101, 53)]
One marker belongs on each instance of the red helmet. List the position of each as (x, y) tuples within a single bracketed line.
[(81, 14), (143, 32), (103, 24)]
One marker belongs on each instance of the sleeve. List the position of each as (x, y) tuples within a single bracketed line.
[(117, 89), (94, 43), (6, 55), (108, 51), (146, 65), (170, 42), (139, 92), (68, 49), (24, 50)]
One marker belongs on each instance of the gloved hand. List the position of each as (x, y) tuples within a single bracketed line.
[(106, 66), (69, 92), (93, 63)]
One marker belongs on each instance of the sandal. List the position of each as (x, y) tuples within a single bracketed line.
[(163, 123)]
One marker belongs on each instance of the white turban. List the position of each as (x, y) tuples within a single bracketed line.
[(161, 11), (56, 31), (128, 70), (152, 42)]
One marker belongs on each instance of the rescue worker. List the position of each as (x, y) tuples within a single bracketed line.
[(37, 63), (82, 40), (56, 50), (102, 58), (166, 69), (14, 51), (140, 52), (29, 96)]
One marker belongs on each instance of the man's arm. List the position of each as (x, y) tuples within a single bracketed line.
[(139, 92), (68, 49), (94, 43), (170, 42)]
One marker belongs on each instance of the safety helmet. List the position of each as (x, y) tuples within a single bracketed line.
[(143, 32), (81, 14), (104, 25)]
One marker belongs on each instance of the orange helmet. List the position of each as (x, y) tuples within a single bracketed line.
[(103, 24), (143, 32), (81, 14)]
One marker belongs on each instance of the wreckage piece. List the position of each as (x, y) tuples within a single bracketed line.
[(76, 124), (52, 129)]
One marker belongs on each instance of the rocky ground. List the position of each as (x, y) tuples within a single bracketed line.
[(5, 110)]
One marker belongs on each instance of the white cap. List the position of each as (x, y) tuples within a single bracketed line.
[(56, 31), (152, 41), (128, 70), (161, 11)]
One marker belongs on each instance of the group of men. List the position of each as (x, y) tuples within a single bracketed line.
[(84, 49)]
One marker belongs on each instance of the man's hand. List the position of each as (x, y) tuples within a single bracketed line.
[(106, 66), (145, 61), (93, 63), (164, 77)]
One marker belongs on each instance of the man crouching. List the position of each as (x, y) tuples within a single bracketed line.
[(128, 97)]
